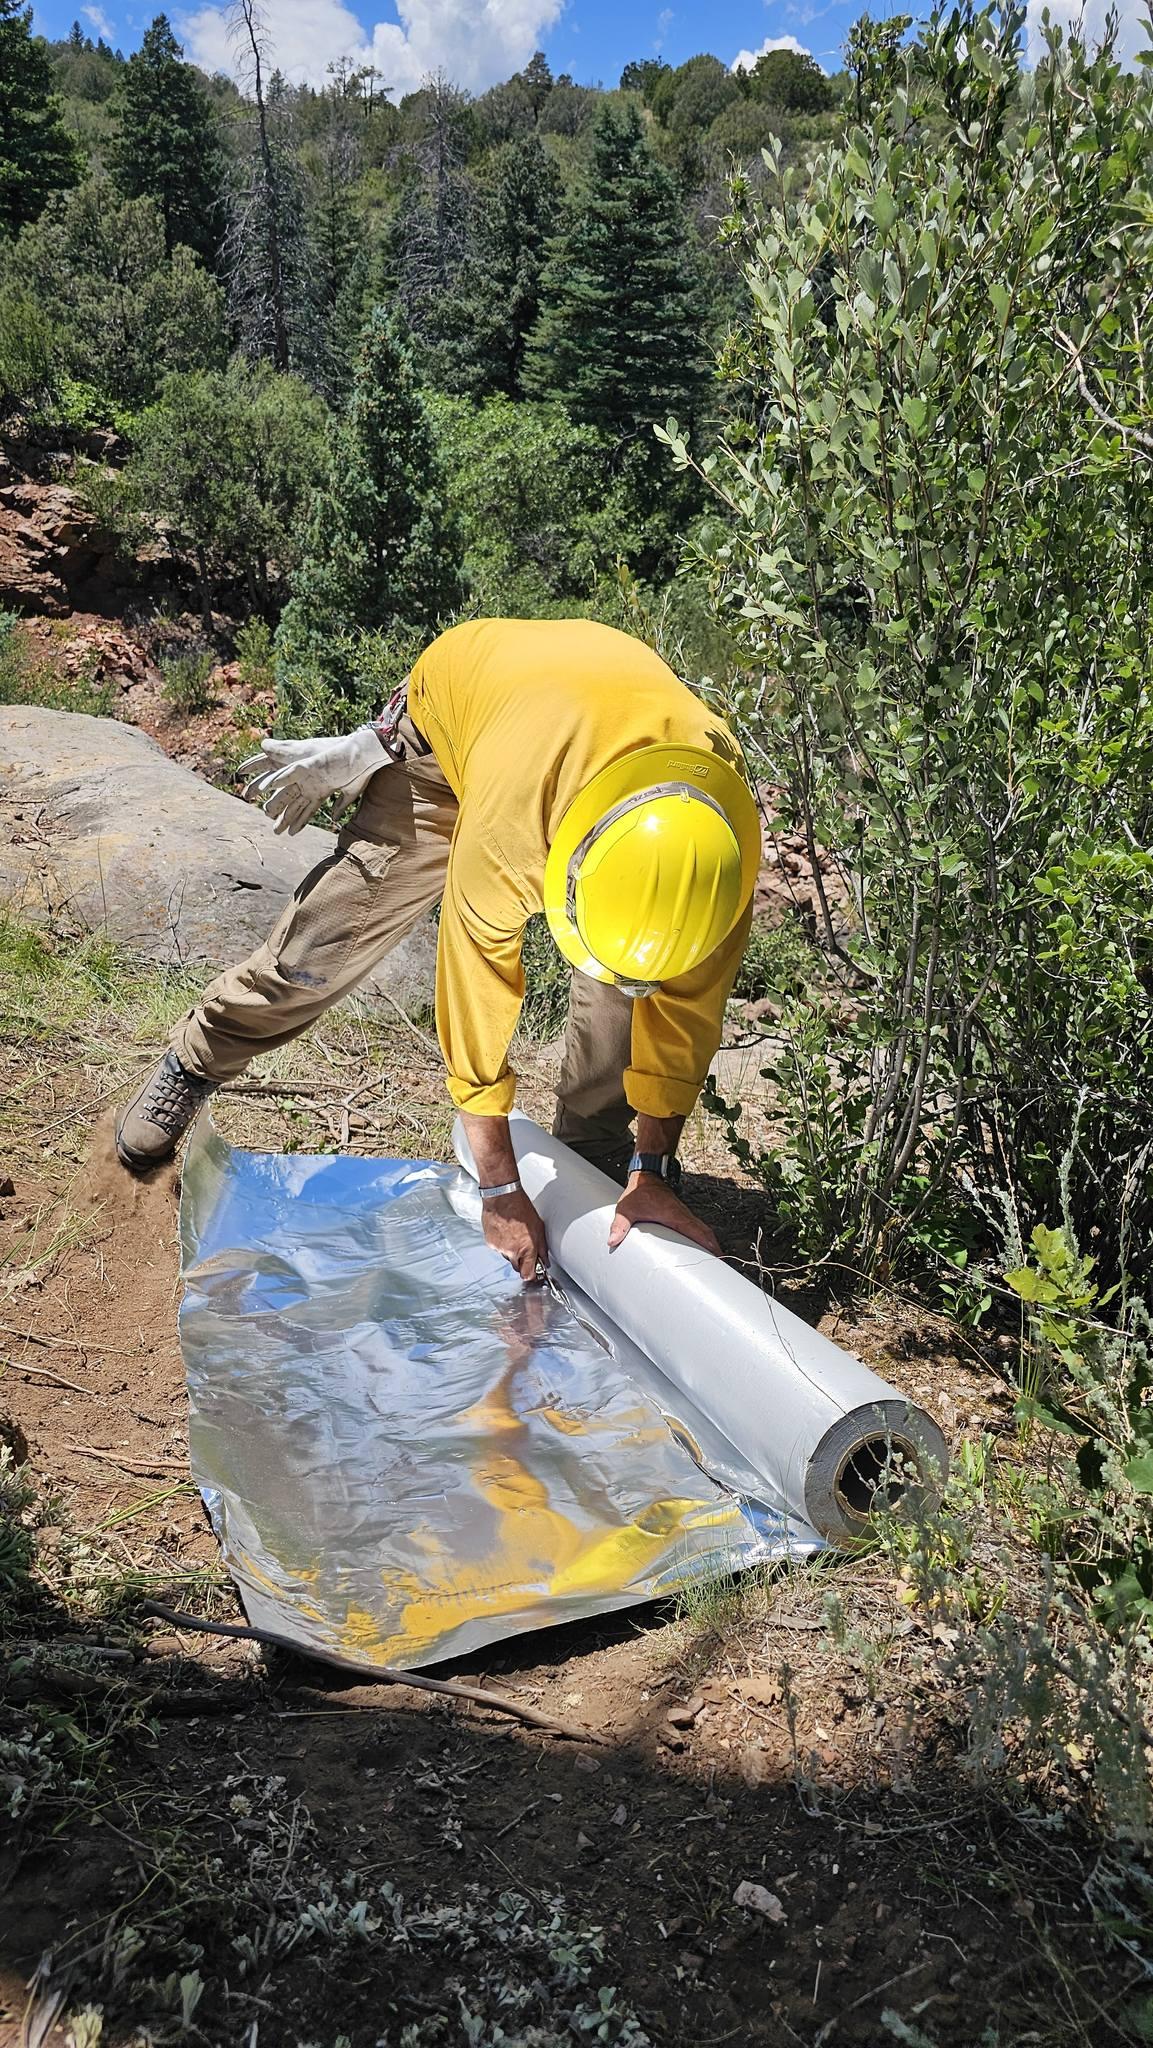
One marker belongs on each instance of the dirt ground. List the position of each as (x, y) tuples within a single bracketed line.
[(247, 1848)]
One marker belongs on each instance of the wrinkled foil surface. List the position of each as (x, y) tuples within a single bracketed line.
[(407, 1455)]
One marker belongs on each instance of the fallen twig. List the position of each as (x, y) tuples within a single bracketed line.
[(110, 1653), (54, 1379), (48, 1343), (66, 1343), (516, 1820), (89, 1685), (382, 1674), (874, 1991), (429, 1044), (283, 1088), (144, 1468)]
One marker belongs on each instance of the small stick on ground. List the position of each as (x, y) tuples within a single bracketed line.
[(55, 1379), (283, 1088), (48, 1343), (66, 1344), (516, 1820), (429, 1044), (144, 1468), (383, 1674)]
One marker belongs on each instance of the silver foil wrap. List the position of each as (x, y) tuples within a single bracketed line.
[(407, 1455)]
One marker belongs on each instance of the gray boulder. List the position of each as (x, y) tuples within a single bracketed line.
[(99, 829)]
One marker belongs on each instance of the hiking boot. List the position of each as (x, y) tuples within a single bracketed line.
[(150, 1128)]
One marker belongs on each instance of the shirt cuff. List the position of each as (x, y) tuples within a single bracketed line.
[(488, 1098), (659, 1095)]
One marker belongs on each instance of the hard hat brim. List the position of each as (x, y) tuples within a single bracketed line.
[(644, 769)]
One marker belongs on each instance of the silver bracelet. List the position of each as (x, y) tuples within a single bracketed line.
[(507, 1187)]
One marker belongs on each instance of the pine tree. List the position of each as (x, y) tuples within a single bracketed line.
[(37, 155), (166, 145), (336, 278), (379, 548), (500, 296), (430, 238), (618, 339)]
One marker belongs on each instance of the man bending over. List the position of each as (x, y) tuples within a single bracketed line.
[(555, 765)]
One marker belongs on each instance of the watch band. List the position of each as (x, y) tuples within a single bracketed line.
[(665, 1165), (506, 1187)]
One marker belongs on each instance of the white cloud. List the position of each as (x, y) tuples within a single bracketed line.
[(475, 42), (303, 36), (97, 19), (1089, 22), (746, 59)]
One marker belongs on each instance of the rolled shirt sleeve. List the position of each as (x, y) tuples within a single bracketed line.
[(479, 976), (676, 1032)]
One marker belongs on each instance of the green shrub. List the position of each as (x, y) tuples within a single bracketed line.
[(123, 314), (546, 983), (541, 512), (778, 961), (222, 465), (27, 353), (186, 681), (370, 668), (254, 654), (938, 562), (1038, 1571)]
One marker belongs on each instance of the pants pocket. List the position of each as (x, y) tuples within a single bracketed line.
[(318, 939)]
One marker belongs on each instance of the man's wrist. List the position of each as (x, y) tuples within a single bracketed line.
[(490, 1142), (662, 1166)]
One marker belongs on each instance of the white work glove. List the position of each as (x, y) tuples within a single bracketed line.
[(298, 776)]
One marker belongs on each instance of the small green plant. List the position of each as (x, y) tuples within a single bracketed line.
[(713, 1606), (254, 654), (186, 681), (778, 961), (17, 1541), (546, 982), (1091, 1385)]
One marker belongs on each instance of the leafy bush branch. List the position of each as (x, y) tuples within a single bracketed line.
[(938, 561)]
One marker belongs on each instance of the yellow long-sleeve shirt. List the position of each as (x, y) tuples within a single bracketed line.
[(521, 714)]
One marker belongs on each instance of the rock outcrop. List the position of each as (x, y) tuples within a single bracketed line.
[(100, 830), (50, 549)]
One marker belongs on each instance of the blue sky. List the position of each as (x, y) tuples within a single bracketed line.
[(484, 37), (480, 41)]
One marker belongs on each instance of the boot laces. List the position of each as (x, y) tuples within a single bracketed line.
[(173, 1098)]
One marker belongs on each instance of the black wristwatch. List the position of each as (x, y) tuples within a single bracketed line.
[(665, 1165)]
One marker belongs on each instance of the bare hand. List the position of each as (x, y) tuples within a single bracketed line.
[(513, 1228), (649, 1200)]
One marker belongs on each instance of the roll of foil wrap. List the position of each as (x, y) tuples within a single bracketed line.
[(406, 1454), (809, 1430)]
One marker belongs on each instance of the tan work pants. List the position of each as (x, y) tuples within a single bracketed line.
[(387, 870)]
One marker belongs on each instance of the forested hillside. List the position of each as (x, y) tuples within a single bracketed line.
[(194, 266)]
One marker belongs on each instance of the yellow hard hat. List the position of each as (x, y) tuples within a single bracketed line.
[(652, 865)]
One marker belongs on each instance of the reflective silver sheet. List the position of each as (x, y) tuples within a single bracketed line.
[(405, 1454)]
